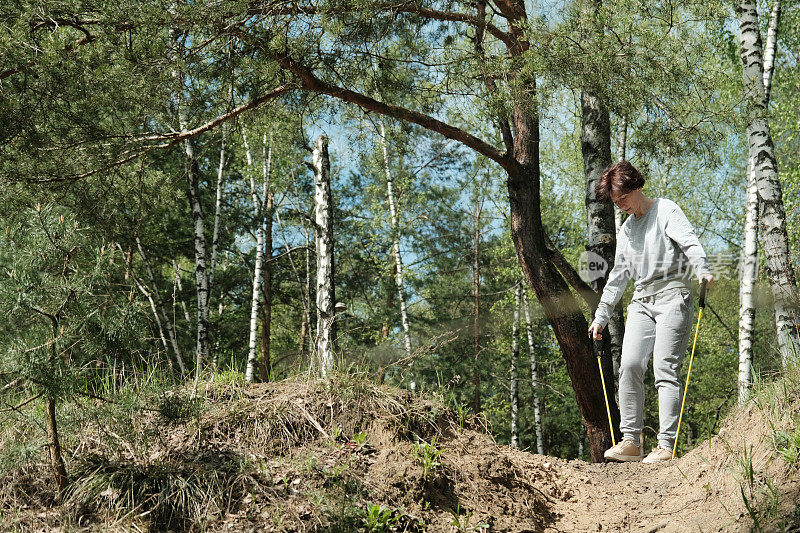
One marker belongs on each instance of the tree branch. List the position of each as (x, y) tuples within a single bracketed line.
[(312, 83), (177, 137), (491, 86), (409, 8)]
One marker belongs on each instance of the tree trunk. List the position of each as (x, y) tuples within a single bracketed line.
[(596, 150), (306, 335), (201, 272), (157, 316), (398, 260), (266, 313), (217, 213), (558, 304), (748, 273), (514, 357), (193, 194), (476, 311), (622, 146), (770, 196), (54, 445), (537, 389), (258, 216), (323, 216)]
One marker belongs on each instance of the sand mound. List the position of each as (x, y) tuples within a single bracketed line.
[(348, 455)]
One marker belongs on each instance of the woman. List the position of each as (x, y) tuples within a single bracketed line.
[(658, 248)]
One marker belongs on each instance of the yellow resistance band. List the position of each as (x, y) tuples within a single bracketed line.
[(688, 375), (605, 395)]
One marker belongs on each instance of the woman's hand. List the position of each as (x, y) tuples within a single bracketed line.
[(595, 330), (708, 278)]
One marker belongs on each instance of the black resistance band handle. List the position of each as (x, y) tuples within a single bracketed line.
[(703, 289), (598, 347)]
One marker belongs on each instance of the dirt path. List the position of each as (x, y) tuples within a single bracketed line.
[(699, 492)]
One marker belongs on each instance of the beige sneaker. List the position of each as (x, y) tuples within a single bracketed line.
[(624, 451), (658, 455)]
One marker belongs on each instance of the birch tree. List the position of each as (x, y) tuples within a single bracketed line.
[(535, 385), (398, 259), (771, 212), (514, 379), (748, 273), (323, 218), (258, 216)]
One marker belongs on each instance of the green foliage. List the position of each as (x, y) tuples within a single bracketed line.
[(787, 443), (378, 518), (427, 456)]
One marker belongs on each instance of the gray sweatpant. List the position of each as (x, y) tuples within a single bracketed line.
[(659, 325)]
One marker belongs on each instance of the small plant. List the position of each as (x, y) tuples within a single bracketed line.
[(787, 443), (427, 455), (360, 439), (378, 518), (463, 411)]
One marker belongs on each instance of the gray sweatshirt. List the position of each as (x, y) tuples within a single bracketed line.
[(659, 250)]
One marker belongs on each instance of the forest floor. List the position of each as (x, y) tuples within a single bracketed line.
[(348, 455)]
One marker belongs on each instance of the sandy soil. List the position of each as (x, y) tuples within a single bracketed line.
[(307, 474)]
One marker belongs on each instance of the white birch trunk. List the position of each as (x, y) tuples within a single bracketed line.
[(514, 380), (258, 216), (323, 217), (398, 260), (770, 196), (748, 273), (217, 213), (198, 219), (622, 145), (201, 272), (310, 334), (771, 50), (537, 397)]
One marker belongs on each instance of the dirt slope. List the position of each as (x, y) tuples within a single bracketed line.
[(314, 456)]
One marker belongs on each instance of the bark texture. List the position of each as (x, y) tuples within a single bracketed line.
[(514, 379), (258, 210), (535, 385), (748, 273), (398, 259), (602, 230), (770, 196), (323, 217)]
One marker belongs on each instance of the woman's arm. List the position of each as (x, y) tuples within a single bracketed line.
[(680, 230), (615, 286)]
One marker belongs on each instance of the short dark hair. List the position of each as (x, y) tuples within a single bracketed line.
[(621, 177)]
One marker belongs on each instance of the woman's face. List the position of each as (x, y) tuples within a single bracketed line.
[(627, 202)]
